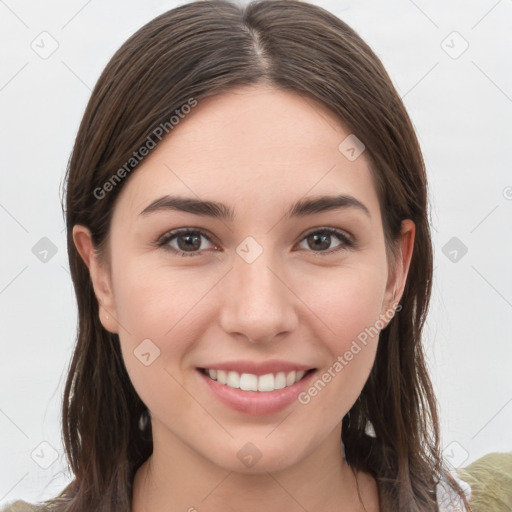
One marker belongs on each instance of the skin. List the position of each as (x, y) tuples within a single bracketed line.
[(258, 150)]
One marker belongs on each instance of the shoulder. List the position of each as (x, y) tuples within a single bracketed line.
[(19, 506), (490, 479)]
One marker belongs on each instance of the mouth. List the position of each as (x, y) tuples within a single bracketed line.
[(251, 382), (253, 387)]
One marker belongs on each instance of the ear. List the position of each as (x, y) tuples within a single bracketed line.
[(399, 268), (100, 277)]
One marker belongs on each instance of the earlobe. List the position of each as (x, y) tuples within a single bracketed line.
[(100, 277)]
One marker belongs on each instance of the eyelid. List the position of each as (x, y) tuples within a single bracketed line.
[(163, 240), (346, 239), (331, 230)]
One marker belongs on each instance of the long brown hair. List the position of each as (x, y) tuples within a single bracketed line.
[(202, 49)]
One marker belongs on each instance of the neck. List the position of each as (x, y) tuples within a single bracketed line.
[(175, 477)]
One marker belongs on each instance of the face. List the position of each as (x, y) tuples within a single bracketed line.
[(262, 292)]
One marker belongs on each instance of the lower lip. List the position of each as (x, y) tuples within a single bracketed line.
[(257, 403)]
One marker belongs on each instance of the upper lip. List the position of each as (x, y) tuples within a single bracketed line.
[(272, 366)]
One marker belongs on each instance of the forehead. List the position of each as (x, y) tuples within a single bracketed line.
[(254, 142)]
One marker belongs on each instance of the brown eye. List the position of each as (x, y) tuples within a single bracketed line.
[(189, 242), (321, 240)]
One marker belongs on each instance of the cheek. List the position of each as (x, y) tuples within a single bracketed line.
[(349, 304), (171, 306), (163, 305), (347, 300), (166, 305), (159, 312)]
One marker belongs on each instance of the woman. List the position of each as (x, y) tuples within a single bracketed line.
[(248, 237)]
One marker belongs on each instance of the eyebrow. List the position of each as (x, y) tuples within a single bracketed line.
[(302, 208)]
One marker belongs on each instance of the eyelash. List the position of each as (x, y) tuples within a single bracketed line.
[(163, 241)]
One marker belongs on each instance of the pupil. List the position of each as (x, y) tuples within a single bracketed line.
[(188, 245), (324, 239)]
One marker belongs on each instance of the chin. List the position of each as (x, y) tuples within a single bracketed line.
[(259, 456)]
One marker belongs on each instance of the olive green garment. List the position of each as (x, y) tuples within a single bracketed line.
[(490, 479)]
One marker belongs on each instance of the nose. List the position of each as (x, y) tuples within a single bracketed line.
[(257, 302)]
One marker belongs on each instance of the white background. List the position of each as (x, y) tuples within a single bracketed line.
[(461, 108)]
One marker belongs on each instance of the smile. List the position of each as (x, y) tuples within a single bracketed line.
[(251, 382)]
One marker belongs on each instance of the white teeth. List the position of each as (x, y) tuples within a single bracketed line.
[(290, 378), (265, 382), (280, 380), (221, 377), (251, 382), (233, 380), (248, 382)]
